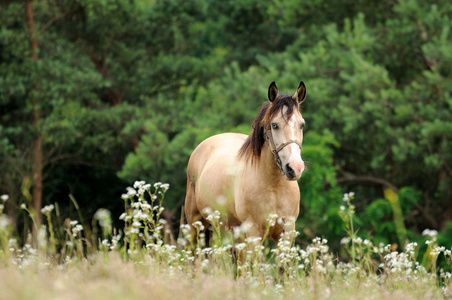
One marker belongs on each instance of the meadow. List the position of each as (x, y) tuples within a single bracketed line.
[(147, 259)]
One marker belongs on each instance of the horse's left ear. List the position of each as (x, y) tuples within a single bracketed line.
[(300, 94), (272, 92)]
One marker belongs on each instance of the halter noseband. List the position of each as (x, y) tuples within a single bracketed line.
[(275, 150)]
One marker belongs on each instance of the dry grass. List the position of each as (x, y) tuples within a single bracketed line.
[(110, 277)]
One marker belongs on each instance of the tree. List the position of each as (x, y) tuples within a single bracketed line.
[(37, 157)]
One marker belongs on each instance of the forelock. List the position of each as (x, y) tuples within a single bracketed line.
[(278, 106)]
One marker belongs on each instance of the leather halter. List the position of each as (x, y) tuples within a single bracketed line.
[(275, 150)]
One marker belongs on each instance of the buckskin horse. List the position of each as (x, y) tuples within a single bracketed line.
[(249, 177)]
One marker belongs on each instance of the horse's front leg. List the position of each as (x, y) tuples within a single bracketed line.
[(283, 237), (248, 249)]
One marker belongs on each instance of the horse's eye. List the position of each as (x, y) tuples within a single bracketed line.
[(275, 126), (301, 126)]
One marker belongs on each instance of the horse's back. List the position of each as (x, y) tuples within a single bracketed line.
[(225, 145), (211, 170)]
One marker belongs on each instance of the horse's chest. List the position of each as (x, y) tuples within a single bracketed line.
[(258, 203)]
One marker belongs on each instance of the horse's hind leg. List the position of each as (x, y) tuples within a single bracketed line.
[(192, 215), (191, 210)]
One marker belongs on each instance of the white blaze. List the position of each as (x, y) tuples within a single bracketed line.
[(295, 152)]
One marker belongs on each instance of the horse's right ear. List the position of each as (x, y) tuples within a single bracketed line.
[(272, 92), (300, 94)]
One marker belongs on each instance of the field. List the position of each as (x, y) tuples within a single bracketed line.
[(142, 261)]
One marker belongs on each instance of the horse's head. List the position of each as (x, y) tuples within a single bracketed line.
[(283, 128)]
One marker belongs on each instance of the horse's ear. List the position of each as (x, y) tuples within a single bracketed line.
[(300, 94), (272, 92)]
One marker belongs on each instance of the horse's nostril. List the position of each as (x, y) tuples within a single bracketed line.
[(290, 171)]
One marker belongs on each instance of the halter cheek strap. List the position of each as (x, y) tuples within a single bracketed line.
[(275, 150)]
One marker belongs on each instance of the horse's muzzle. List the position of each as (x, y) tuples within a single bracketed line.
[(294, 169)]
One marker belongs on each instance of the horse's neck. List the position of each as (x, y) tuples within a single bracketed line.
[(268, 169)]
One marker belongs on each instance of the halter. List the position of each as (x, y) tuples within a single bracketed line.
[(275, 150)]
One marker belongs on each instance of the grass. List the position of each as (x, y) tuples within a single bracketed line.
[(139, 261)]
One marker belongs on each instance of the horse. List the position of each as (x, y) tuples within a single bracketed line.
[(248, 178)]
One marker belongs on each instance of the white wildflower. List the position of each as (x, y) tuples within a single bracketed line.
[(215, 216), (358, 240), (42, 236), (367, 243), (345, 240), (146, 207), (271, 219), (165, 186), (4, 222), (205, 263), (138, 184), (136, 224), (222, 200), (410, 247), (103, 216), (253, 239), (207, 211), (198, 225), (430, 233), (281, 221), (348, 196), (185, 228), (47, 208), (131, 192), (12, 242), (240, 246), (182, 242)]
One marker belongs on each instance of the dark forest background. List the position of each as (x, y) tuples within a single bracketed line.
[(97, 94)]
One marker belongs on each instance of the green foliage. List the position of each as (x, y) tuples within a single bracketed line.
[(318, 185)]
